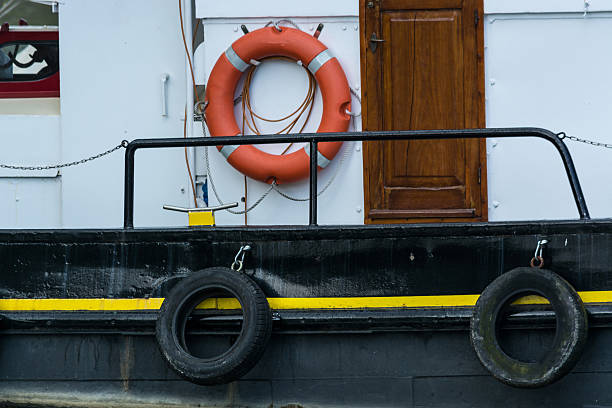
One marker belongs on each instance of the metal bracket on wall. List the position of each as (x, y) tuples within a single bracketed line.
[(164, 103)]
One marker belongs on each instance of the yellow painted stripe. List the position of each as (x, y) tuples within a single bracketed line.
[(277, 303), (372, 302), (80, 304)]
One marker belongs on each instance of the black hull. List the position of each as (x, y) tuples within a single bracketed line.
[(357, 356), (416, 369), (302, 261)]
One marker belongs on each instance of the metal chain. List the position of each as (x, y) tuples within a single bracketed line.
[(124, 143), (563, 135)]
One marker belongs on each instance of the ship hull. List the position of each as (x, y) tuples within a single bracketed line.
[(363, 316)]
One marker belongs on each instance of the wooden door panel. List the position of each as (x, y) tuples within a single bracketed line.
[(417, 163), (420, 4), (426, 75), (422, 70)]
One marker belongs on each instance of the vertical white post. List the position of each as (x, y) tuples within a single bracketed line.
[(188, 27)]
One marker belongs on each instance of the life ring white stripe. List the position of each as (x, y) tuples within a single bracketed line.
[(320, 60), (322, 161), (235, 60), (228, 149)]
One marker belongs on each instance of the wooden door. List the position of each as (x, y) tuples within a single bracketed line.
[(427, 73)]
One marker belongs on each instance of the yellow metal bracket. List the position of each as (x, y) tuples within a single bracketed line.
[(199, 217)]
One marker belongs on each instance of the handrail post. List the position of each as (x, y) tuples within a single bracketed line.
[(128, 188), (572, 176), (313, 182)]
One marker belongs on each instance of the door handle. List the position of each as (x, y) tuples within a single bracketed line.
[(164, 103), (374, 40)]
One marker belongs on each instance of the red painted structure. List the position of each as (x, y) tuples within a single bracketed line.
[(47, 87)]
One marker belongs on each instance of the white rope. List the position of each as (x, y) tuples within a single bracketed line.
[(276, 24), (348, 112), (214, 188), (345, 154), (274, 186), (343, 158)]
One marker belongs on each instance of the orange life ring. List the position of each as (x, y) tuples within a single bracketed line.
[(267, 42)]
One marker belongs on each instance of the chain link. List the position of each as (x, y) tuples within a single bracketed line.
[(563, 135), (124, 143)]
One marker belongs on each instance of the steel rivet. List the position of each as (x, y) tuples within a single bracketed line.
[(358, 209), (343, 28), (492, 81), (496, 204)]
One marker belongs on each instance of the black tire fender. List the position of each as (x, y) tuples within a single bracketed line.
[(246, 350), (570, 336)]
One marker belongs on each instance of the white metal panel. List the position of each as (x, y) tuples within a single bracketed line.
[(30, 202), (29, 140), (198, 59), (550, 71), (30, 106), (278, 87), (275, 8), (113, 54), (545, 6)]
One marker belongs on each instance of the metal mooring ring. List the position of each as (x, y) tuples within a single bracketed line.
[(538, 259), (237, 265)]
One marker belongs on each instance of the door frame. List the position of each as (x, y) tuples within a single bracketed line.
[(371, 116)]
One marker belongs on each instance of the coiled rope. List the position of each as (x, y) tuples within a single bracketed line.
[(249, 120)]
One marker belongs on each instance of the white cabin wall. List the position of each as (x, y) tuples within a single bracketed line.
[(546, 65), (113, 54), (278, 87), (30, 202), (549, 70), (30, 199)]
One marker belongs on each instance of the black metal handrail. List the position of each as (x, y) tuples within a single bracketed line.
[(314, 138)]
